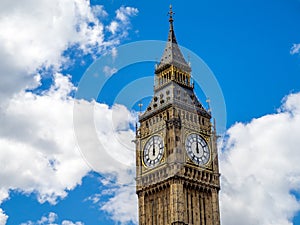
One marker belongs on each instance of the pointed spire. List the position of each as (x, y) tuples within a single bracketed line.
[(172, 54), (171, 37)]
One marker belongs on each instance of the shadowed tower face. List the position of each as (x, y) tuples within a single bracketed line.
[(176, 151)]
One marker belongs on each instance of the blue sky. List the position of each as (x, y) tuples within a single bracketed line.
[(60, 165)]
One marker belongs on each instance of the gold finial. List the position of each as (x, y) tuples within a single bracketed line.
[(171, 13)]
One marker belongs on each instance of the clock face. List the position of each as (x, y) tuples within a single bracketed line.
[(197, 149), (153, 151)]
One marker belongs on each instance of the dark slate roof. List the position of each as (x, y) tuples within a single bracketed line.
[(172, 54)]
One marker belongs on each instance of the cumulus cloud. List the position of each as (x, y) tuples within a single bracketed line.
[(122, 201), (295, 49), (3, 217), (123, 211), (122, 20), (39, 128), (36, 34), (260, 168), (51, 220)]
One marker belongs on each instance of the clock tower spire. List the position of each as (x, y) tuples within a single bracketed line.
[(176, 150), (171, 32)]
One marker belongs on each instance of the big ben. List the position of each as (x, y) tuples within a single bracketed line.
[(178, 178)]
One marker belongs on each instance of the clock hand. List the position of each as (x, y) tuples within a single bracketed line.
[(153, 148), (197, 147)]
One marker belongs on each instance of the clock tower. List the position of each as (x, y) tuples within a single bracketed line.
[(178, 178)]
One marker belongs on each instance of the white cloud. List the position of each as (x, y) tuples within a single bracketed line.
[(113, 27), (124, 13), (121, 22), (37, 142), (99, 11), (122, 201), (108, 71), (123, 205), (39, 148), (39, 129), (67, 222), (105, 139), (3, 217), (35, 34), (260, 168), (51, 220), (295, 49), (114, 53)]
